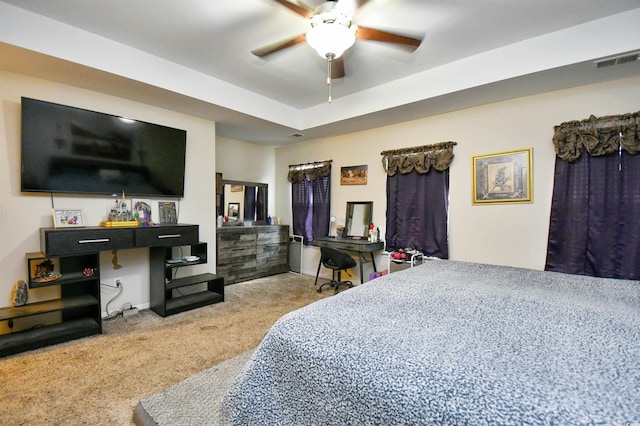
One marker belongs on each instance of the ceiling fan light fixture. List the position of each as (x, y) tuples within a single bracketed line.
[(331, 39)]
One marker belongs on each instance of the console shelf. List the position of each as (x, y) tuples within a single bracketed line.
[(70, 260), (43, 336), (46, 307), (74, 314), (167, 297)]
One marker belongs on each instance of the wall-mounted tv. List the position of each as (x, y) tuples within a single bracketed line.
[(76, 151)]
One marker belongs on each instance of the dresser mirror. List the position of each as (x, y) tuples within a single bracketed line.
[(249, 198), (359, 216)]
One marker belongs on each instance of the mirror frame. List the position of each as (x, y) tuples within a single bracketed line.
[(221, 203), (349, 217)]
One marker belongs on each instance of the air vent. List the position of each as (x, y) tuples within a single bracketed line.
[(618, 60)]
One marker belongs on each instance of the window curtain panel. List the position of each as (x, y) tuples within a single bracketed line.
[(418, 198), (594, 228), (310, 199), (249, 202), (261, 199)]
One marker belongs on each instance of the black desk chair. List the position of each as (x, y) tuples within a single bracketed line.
[(336, 260)]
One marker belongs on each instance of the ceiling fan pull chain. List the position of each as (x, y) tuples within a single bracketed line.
[(329, 59)]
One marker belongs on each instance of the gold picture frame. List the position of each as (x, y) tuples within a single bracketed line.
[(503, 177), (66, 218)]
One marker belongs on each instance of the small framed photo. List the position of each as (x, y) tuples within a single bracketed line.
[(503, 177), (354, 175), (63, 218), (234, 211)]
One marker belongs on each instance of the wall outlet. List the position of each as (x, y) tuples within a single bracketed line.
[(117, 282)]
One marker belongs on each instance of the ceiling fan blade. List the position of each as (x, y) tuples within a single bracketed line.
[(337, 68), (361, 3), (372, 34), (305, 13), (266, 50)]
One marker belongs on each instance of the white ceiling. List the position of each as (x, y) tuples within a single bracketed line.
[(194, 56)]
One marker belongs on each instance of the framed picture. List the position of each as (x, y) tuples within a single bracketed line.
[(503, 177), (233, 211), (67, 217), (353, 175)]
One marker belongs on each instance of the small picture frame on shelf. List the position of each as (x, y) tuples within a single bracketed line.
[(234, 212), (168, 212), (64, 218)]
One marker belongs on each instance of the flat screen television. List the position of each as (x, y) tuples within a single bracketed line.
[(76, 151)]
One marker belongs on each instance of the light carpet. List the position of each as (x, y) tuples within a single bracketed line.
[(193, 401), (100, 379)]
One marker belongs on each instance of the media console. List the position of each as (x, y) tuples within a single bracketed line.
[(78, 308)]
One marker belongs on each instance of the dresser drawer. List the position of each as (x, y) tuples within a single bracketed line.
[(58, 242), (166, 236)]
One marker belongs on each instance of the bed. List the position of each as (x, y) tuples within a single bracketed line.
[(451, 343)]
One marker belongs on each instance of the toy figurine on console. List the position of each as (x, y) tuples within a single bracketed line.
[(120, 212)]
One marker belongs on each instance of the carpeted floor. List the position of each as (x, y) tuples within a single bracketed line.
[(194, 401), (100, 379)]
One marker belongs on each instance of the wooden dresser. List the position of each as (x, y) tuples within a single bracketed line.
[(247, 252)]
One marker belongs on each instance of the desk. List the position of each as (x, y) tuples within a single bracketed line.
[(360, 246)]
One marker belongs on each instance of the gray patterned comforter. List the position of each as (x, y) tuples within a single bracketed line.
[(451, 343)]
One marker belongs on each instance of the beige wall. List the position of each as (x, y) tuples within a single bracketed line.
[(514, 234), (24, 214), (247, 162)]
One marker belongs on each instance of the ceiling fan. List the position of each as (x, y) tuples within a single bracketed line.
[(332, 32)]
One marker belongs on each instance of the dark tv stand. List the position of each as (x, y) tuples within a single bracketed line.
[(79, 303), (170, 298)]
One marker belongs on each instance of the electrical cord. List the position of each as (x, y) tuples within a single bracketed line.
[(120, 312), (115, 314)]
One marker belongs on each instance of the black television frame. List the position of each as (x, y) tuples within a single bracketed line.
[(71, 150)]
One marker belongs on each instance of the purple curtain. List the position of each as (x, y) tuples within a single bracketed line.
[(261, 199), (249, 202), (321, 214), (311, 207), (417, 207), (594, 228)]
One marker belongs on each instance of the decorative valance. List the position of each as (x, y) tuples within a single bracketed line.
[(418, 158), (309, 171), (599, 136)]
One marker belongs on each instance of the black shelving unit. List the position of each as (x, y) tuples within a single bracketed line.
[(167, 297), (78, 306)]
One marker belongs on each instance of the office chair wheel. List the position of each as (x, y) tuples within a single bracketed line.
[(319, 290)]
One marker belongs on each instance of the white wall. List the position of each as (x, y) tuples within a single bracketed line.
[(504, 234), (23, 214), (247, 162)]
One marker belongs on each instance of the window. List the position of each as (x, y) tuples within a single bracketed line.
[(594, 228), (418, 198), (311, 199)]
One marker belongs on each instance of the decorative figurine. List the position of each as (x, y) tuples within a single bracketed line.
[(19, 293)]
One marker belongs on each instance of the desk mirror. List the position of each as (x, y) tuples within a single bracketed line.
[(250, 199), (359, 216)]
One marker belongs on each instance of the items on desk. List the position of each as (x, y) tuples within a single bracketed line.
[(374, 233)]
